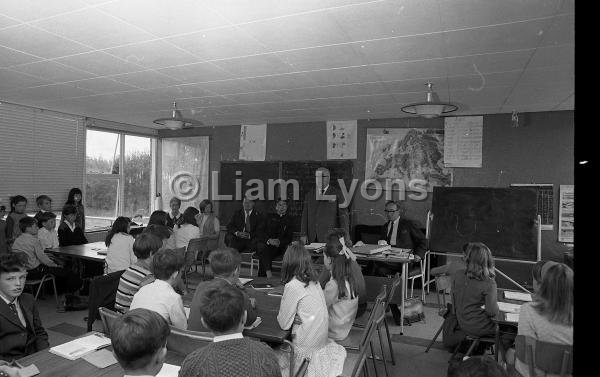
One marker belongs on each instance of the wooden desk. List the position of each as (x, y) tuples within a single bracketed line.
[(88, 251), (51, 365), (501, 320)]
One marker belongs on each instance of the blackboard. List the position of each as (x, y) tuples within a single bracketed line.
[(302, 171), (502, 218)]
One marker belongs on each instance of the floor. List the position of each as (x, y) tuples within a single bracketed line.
[(411, 360)]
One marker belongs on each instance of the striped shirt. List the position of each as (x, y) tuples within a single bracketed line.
[(129, 284)]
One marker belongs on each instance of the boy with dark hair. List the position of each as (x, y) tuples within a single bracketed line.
[(47, 230), (139, 341), (69, 233), (138, 274), (21, 329), (230, 354), (476, 366), (225, 265), (160, 295), (44, 204)]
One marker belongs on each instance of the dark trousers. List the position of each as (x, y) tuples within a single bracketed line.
[(265, 258), (67, 281)]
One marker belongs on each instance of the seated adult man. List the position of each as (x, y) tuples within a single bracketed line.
[(139, 341), (21, 330), (225, 265), (279, 236), (246, 229), (230, 354)]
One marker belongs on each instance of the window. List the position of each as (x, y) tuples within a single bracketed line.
[(118, 177)]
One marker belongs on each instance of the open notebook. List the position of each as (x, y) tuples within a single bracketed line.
[(82, 346)]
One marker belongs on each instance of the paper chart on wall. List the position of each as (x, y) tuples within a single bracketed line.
[(253, 142), (341, 139), (463, 141), (566, 213)]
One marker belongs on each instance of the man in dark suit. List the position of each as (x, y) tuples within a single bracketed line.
[(279, 236), (322, 211), (246, 229), (21, 331)]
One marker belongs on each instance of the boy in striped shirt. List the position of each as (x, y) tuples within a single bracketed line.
[(138, 274)]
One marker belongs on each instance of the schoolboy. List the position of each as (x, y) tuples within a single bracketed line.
[(139, 341), (225, 265), (47, 233), (230, 354), (44, 204)]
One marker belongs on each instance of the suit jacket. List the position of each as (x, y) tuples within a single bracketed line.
[(66, 237), (280, 227), (320, 216), (17, 341), (408, 236), (257, 225)]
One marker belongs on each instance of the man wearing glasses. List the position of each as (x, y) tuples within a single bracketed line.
[(322, 211)]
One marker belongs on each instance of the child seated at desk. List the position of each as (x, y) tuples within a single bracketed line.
[(69, 233), (230, 355), (44, 203), (119, 242), (225, 265), (160, 295), (139, 341), (138, 274), (38, 263), (47, 230)]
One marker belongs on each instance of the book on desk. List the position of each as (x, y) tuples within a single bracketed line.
[(82, 346)]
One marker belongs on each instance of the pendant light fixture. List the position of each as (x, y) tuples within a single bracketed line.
[(176, 121), (431, 108)]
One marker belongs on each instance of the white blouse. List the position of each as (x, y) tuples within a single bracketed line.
[(185, 233), (342, 312), (120, 255), (49, 239)]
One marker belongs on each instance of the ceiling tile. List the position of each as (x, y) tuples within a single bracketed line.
[(306, 30), (166, 18), (252, 66), (29, 10), (457, 14), (477, 83), (388, 18), (343, 75), (220, 43), (197, 72), (53, 71), (553, 55), (102, 85), (227, 86), (7, 22), (364, 89), (489, 62), (545, 75), (12, 80), (518, 36), (254, 97), (562, 31), (10, 57), (37, 42), (415, 86), (469, 99), (322, 58), (411, 70), (288, 81), (154, 54), (93, 28), (183, 91), (568, 6), (402, 48), (100, 63), (43, 93), (146, 79)]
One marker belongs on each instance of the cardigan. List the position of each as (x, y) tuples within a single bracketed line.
[(468, 297)]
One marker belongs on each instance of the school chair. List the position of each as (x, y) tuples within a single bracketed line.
[(443, 284), (356, 337), (194, 248), (418, 274), (442, 313), (108, 319), (474, 342), (549, 358), (185, 342), (103, 292), (303, 367), (40, 282), (249, 260), (360, 323)]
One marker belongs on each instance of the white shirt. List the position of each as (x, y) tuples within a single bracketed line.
[(48, 238), (342, 312), (159, 296), (19, 311), (185, 233), (222, 338), (71, 226), (119, 255)]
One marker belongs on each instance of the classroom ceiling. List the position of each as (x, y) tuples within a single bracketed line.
[(281, 61)]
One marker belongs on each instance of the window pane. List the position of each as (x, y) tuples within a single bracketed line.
[(101, 195), (102, 152), (138, 176)]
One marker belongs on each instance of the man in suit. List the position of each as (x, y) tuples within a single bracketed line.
[(21, 331), (279, 236), (322, 211), (246, 229)]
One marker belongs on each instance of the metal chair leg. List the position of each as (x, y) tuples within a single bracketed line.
[(383, 354), (472, 347), (412, 285), (387, 332), (55, 291), (435, 337), (374, 359)]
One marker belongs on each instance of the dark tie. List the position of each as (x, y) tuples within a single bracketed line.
[(247, 227), (13, 307), (389, 234)]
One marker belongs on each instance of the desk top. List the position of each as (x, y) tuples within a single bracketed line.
[(87, 251), (51, 365), (501, 318)]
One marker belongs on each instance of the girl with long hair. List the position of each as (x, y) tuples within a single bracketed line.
[(120, 246)]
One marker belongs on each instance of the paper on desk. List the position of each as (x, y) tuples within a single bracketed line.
[(82, 346), (28, 371), (245, 280), (101, 358), (254, 324), (187, 311), (512, 317), (519, 296), (169, 370), (508, 307), (315, 245)]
